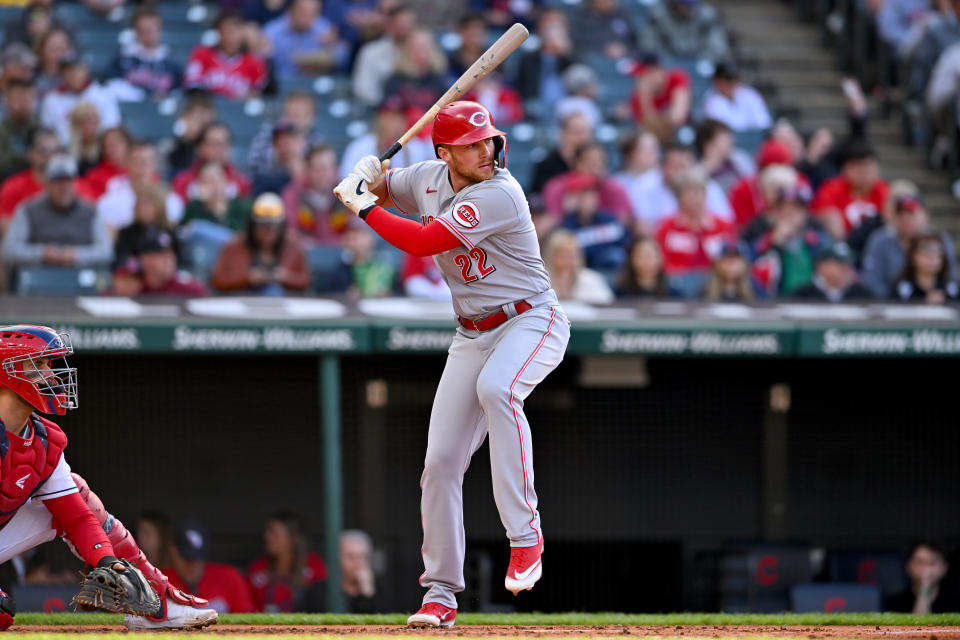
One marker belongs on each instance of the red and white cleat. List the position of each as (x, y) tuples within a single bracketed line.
[(525, 568), (174, 615), (433, 614)]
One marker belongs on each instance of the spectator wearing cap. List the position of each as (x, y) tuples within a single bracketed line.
[(581, 84), (590, 163), (304, 42), (926, 275), (884, 257), (17, 63), (603, 27), (598, 231), (729, 279), (266, 257), (213, 146), (289, 144), (737, 105), (221, 584), (834, 279), (311, 208), (157, 272), (149, 212), (117, 204), (77, 87), (785, 241), (299, 109), (41, 145), (688, 29), (843, 203), (656, 190), (575, 132), (661, 98), (227, 69), (375, 60), (642, 274), (692, 237), (540, 71), (724, 163), (19, 119), (143, 68), (749, 195), (57, 227), (571, 278)]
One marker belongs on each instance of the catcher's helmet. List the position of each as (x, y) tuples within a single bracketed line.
[(466, 122), (49, 391)]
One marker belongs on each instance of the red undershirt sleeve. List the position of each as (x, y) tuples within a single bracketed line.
[(72, 515), (407, 235)]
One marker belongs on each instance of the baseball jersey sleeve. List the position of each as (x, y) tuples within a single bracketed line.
[(60, 483), (402, 186), (482, 213)]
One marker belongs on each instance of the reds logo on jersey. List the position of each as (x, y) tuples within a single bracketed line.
[(467, 215)]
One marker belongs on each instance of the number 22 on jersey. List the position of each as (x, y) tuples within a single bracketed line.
[(476, 257)]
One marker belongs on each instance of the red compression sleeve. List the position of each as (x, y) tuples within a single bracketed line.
[(407, 235), (72, 516)]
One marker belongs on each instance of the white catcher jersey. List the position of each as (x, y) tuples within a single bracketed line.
[(499, 260)]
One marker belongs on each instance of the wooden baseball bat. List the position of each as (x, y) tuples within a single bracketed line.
[(490, 60)]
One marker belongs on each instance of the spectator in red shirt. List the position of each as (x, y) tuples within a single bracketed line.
[(858, 194), (114, 154), (157, 274), (692, 237), (421, 278), (661, 100), (591, 159), (288, 577), (227, 69), (746, 196), (29, 182), (221, 584), (213, 146)]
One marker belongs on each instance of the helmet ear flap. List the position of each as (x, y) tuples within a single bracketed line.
[(500, 151)]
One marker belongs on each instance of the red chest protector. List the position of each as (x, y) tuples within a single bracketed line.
[(25, 464)]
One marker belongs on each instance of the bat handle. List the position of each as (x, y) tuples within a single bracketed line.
[(392, 151)]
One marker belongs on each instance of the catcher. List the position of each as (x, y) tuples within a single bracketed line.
[(40, 499)]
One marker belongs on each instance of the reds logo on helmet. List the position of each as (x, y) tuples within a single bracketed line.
[(463, 122), (467, 215)]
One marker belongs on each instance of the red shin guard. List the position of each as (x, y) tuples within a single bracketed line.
[(126, 547)]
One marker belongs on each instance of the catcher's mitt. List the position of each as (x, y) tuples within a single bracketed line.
[(119, 587)]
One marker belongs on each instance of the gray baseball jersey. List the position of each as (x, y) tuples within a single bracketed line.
[(499, 260)]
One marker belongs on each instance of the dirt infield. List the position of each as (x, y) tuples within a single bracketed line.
[(554, 631)]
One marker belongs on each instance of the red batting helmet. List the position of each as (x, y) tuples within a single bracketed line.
[(20, 348), (466, 122)]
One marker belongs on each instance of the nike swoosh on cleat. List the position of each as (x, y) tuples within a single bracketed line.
[(522, 575)]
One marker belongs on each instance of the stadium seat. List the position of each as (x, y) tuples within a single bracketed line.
[(883, 568), (145, 120), (834, 597), (758, 577), (63, 281), (321, 261), (750, 140)]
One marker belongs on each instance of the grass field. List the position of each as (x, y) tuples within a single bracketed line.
[(814, 626)]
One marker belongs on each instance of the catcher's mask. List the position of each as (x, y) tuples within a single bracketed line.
[(48, 388)]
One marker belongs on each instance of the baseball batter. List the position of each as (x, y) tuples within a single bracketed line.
[(512, 332), (41, 499)]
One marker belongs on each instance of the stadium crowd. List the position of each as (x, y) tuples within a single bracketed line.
[(191, 149)]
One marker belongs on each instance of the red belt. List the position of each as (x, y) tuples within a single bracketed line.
[(494, 319)]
